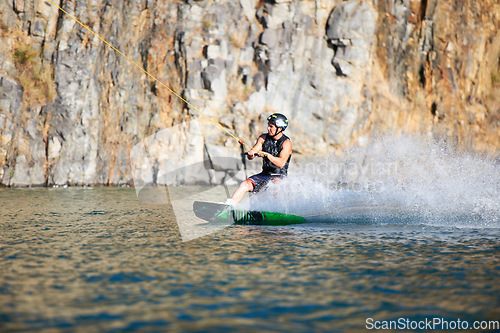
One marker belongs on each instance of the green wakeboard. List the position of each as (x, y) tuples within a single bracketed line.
[(216, 212)]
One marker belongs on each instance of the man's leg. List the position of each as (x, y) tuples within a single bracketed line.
[(245, 187), (277, 179)]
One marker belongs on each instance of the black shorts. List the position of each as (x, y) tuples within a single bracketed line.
[(260, 180)]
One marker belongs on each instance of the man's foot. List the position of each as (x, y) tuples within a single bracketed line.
[(230, 202)]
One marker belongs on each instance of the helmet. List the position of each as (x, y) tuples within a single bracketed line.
[(279, 120)]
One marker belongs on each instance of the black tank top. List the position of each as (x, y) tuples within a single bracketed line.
[(274, 147)]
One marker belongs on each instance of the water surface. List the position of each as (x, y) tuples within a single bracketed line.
[(80, 259)]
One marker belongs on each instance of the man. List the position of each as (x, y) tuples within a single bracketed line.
[(275, 149)]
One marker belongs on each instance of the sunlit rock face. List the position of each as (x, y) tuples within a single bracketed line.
[(72, 109)]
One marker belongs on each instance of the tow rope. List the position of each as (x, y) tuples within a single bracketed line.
[(150, 75)]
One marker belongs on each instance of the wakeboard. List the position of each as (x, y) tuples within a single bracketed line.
[(216, 212)]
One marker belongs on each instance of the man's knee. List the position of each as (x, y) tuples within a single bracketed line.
[(248, 185)]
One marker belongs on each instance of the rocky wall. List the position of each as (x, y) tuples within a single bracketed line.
[(72, 109)]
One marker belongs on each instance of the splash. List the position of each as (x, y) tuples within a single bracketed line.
[(408, 178)]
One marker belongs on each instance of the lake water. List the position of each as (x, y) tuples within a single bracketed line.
[(83, 259)]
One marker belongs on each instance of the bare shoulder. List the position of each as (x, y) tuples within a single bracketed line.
[(287, 145)]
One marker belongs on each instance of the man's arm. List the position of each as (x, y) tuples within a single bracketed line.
[(280, 161), (257, 147)]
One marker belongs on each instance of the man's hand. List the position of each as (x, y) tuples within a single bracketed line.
[(251, 154), (262, 154), (256, 148)]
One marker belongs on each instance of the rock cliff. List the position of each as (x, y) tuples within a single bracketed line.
[(72, 109)]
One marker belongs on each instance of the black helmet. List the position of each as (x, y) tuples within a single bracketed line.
[(279, 120)]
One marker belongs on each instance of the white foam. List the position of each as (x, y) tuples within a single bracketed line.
[(408, 177)]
